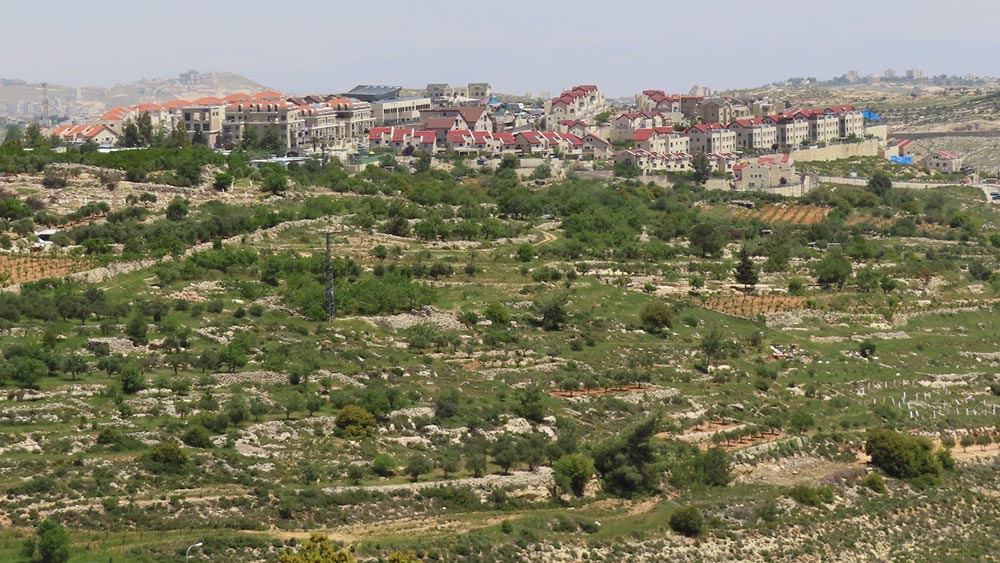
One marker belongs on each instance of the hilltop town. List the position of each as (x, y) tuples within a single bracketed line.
[(397, 324)]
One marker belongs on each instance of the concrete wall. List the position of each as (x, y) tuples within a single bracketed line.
[(837, 152)]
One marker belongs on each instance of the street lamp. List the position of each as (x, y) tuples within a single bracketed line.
[(187, 554)]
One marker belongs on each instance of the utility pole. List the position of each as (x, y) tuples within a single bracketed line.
[(331, 304)]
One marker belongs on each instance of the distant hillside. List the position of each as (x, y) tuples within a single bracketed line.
[(156, 90), (21, 99)]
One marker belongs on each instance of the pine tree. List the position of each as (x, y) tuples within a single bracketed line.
[(746, 271)]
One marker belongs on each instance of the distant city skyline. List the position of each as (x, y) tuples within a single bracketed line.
[(519, 46)]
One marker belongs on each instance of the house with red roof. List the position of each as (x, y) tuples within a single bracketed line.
[(530, 143), (79, 134), (461, 118), (661, 140), (711, 138), (573, 126), (595, 147), (624, 125), (765, 172), (944, 162), (654, 162), (565, 144), (582, 103)]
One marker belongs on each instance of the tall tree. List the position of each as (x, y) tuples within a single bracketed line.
[(130, 135), (701, 168), (746, 271)]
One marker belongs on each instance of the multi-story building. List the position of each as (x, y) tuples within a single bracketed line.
[(661, 140), (719, 110), (446, 92), (755, 134), (399, 111), (764, 173), (457, 119), (356, 115), (851, 121), (480, 90), (581, 102), (823, 127), (595, 147), (691, 106), (624, 126), (793, 129), (649, 162), (204, 118), (574, 126), (711, 138)]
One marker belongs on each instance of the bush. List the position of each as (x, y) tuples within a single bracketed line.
[(901, 455), (811, 496), (656, 316), (197, 437), (354, 422), (687, 520), (167, 457), (572, 472), (875, 482), (384, 466)]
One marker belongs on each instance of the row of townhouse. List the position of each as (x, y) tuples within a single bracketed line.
[(708, 110), (488, 143), (308, 122), (661, 140), (650, 162), (581, 102), (79, 134)]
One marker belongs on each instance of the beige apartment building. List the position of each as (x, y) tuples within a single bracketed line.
[(755, 135), (718, 110), (764, 173), (792, 129), (711, 138), (399, 111), (624, 126), (851, 121), (474, 90), (205, 119), (823, 127), (662, 140), (357, 116)]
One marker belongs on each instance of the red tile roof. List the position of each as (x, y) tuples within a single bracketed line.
[(176, 104), (268, 95), (440, 123), (208, 101)]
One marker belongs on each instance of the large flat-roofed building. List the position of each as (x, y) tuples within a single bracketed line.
[(369, 93), (399, 111)]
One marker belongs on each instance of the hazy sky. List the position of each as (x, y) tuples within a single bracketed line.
[(517, 45)]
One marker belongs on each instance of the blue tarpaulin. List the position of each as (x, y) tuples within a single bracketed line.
[(904, 160), (871, 115)]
